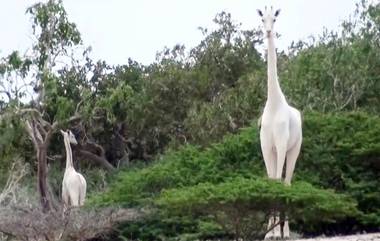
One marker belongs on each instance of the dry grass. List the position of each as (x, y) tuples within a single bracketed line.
[(21, 218), (28, 223)]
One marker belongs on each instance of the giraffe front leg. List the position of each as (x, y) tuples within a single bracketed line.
[(286, 230), (291, 159), (268, 154), (281, 137), (281, 154), (270, 234), (277, 228)]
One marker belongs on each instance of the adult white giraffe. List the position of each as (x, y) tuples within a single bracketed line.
[(73, 184), (281, 128)]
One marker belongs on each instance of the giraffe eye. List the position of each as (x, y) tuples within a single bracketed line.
[(262, 20), (274, 20)]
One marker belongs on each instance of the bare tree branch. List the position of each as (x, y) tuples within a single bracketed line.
[(50, 132), (31, 135), (75, 117), (98, 159), (96, 147), (78, 105), (40, 128), (36, 139)]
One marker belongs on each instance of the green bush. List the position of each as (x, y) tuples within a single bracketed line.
[(339, 151), (242, 206), (188, 166)]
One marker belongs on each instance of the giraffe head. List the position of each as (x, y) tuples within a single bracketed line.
[(70, 136), (268, 17)]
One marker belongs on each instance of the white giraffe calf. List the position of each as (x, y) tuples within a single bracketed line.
[(73, 184)]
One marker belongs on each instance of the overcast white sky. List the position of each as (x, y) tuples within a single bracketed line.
[(119, 29)]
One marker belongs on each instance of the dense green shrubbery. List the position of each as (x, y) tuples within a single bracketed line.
[(242, 206), (12, 139), (339, 152), (189, 166), (186, 167)]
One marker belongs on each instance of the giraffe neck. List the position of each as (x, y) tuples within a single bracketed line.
[(69, 155), (275, 94)]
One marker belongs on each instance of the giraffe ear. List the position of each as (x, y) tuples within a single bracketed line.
[(62, 132), (277, 12), (259, 12)]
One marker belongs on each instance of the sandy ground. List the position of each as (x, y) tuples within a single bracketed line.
[(359, 237)]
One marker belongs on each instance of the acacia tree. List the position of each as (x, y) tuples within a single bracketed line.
[(54, 34), (43, 74), (338, 71), (56, 89), (240, 207)]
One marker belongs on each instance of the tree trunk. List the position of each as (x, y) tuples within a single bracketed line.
[(42, 178)]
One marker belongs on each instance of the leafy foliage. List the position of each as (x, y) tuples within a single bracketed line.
[(326, 161), (341, 151), (242, 206), (189, 166), (340, 71)]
